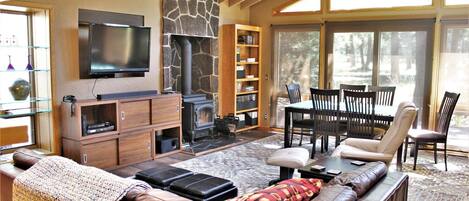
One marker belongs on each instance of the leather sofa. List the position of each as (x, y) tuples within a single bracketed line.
[(392, 187)]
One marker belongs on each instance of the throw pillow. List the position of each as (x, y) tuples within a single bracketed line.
[(289, 190)]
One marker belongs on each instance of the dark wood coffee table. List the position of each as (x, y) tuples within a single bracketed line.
[(343, 165)]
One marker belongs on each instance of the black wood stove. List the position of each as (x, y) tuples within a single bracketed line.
[(198, 113)]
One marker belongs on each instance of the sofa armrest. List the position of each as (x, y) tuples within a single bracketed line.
[(8, 173), (25, 158), (393, 187)]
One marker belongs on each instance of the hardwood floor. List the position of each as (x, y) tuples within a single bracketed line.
[(175, 158)]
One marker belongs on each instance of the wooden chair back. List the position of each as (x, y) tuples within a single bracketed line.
[(326, 111), (350, 87), (446, 111), (360, 109), (294, 95), (384, 95)]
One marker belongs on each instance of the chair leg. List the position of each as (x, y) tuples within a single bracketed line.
[(416, 151), (313, 151), (435, 152), (337, 140), (292, 135), (405, 148), (326, 143), (301, 139), (399, 158), (446, 156), (322, 144)]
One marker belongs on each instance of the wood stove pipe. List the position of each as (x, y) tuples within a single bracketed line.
[(186, 64)]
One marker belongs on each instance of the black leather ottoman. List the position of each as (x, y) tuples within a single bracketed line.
[(204, 187), (162, 177)]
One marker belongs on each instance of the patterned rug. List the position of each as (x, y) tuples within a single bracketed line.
[(245, 166)]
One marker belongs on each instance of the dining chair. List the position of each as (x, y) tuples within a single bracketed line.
[(326, 116), (384, 94), (433, 137), (298, 120), (350, 87), (360, 111), (384, 97)]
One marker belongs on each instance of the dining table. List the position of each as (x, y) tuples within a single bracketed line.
[(382, 113)]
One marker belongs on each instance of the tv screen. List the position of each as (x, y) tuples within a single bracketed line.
[(119, 49)]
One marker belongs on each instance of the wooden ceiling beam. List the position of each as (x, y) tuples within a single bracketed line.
[(249, 3), (234, 2)]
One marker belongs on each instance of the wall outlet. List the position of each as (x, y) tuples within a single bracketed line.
[(265, 116)]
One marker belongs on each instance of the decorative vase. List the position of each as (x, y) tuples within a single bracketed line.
[(20, 89), (10, 67), (29, 67)]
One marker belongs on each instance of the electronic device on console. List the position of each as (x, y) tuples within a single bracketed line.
[(99, 128)]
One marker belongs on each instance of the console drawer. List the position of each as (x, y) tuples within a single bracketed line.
[(166, 109), (135, 147), (101, 154), (134, 114)]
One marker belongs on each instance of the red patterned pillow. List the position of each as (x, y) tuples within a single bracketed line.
[(289, 190)]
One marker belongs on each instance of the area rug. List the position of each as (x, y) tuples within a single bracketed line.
[(245, 166)]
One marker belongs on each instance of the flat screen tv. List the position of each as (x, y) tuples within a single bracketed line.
[(119, 49)]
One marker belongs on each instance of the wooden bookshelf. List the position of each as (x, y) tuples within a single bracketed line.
[(240, 42)]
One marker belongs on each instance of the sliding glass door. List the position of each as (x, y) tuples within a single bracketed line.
[(295, 60), (383, 53), (453, 77), (402, 63), (353, 58)]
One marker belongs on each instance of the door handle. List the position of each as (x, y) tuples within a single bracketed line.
[(85, 158)]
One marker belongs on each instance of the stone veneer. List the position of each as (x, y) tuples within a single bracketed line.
[(199, 20)]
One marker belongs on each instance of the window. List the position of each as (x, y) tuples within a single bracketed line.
[(353, 58), (383, 53), (366, 4), (456, 2), (454, 68), (296, 60), (299, 6), (14, 40)]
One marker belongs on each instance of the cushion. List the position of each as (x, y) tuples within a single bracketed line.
[(288, 190), (363, 178), (426, 134), (336, 193), (289, 157), (155, 195), (162, 176), (201, 185)]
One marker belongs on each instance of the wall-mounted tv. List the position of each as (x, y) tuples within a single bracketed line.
[(118, 49), (108, 50)]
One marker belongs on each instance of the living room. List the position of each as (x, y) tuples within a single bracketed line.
[(234, 100)]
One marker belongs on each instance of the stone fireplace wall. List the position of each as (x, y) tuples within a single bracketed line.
[(198, 20)]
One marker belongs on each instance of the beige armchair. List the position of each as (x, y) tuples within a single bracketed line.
[(384, 149)]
